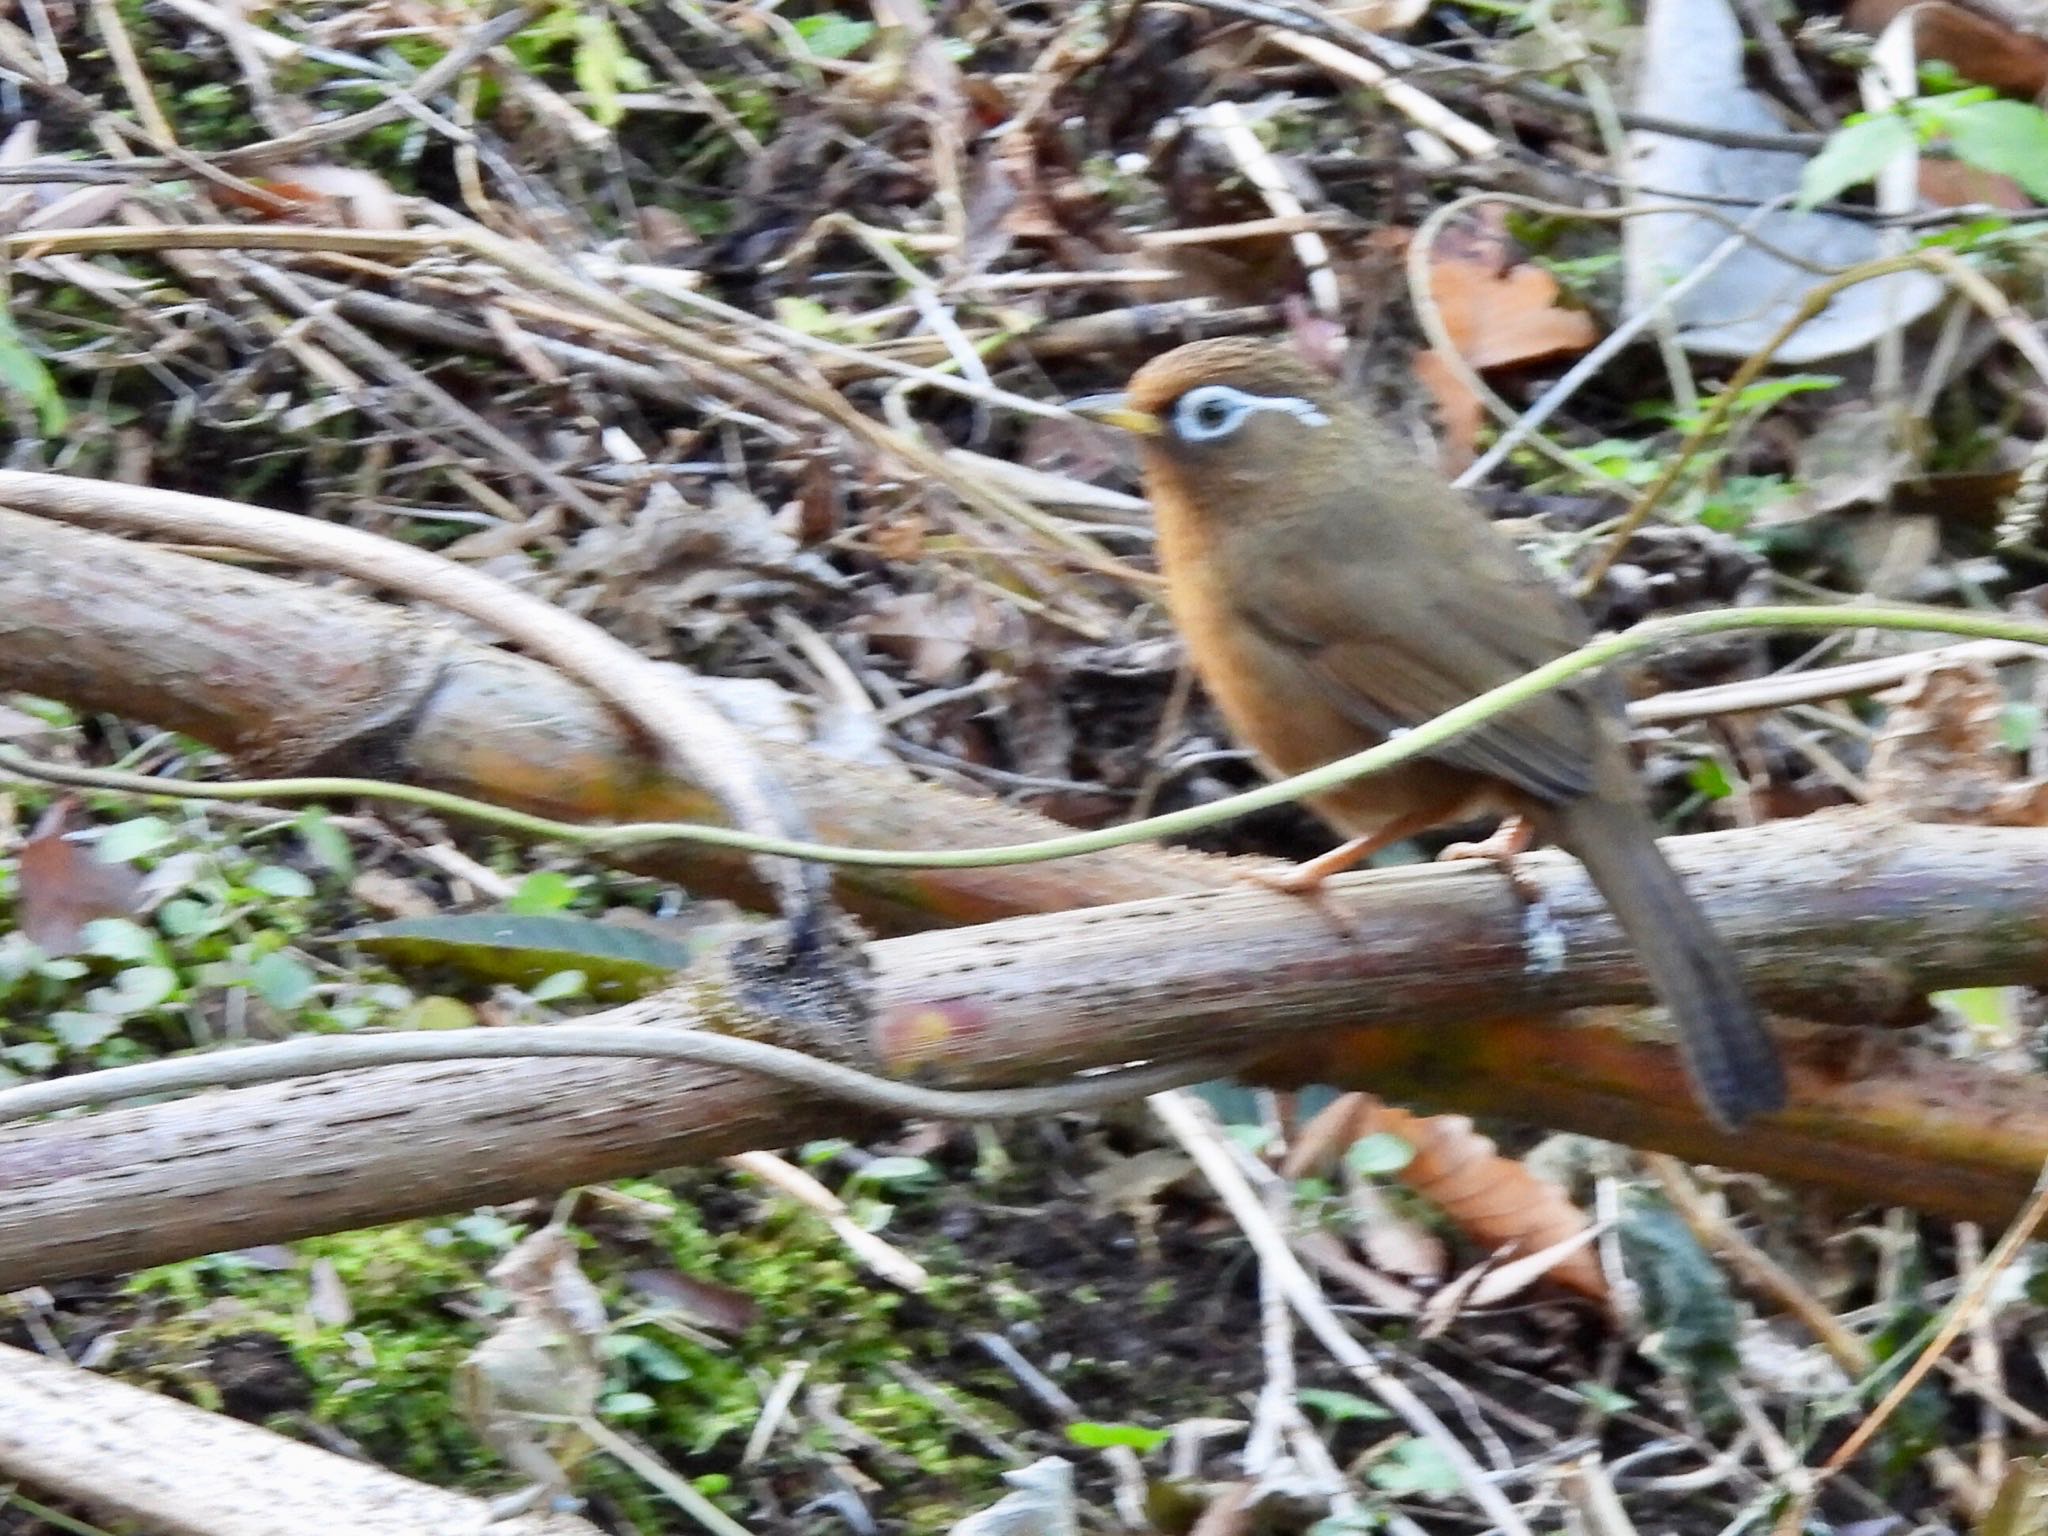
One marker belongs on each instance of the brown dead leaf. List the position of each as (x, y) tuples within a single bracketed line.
[(1391, 1241), (1952, 184), (523, 1387), (1503, 318), (1318, 1145), (1012, 201), (1980, 48), (899, 538), (543, 1278), (933, 633), (680, 555), (1941, 753), (64, 887), (389, 895), (1492, 1199), (1327, 1253), (717, 1307)]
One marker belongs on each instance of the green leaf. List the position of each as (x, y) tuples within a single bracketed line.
[(1378, 1155), (830, 35), (2018, 726), (544, 890), (1101, 1437), (281, 981), (279, 880), (133, 838), (116, 938), (896, 1173), (2008, 137), (648, 1357), (82, 1031), (560, 987), (1990, 1011), (525, 949), (324, 840), (1415, 1467), (602, 66), (185, 918), (1603, 1397), (22, 373), (136, 990), (1765, 393), (487, 1229), (1709, 776), (435, 1012), (1987, 234), (1855, 153), (1684, 1295), (1358, 1523), (806, 315), (1337, 1407), (32, 1056)]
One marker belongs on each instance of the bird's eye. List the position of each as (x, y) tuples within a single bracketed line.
[(1216, 410), (1213, 411)]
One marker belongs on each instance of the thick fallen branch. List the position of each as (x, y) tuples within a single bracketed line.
[(664, 704), (292, 678), (1842, 917), (127, 1454)]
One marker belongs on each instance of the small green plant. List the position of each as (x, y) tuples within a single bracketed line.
[(1378, 1155), (598, 59), (1098, 1437), (2009, 138), (829, 35), (23, 376)]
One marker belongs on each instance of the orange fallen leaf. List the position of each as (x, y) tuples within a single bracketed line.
[(1493, 1200), (1502, 318)]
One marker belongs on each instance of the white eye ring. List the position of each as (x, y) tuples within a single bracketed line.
[(1214, 411), (1210, 412)]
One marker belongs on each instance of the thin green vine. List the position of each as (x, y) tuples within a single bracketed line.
[(1414, 743)]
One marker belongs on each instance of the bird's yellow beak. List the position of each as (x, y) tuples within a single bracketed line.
[(1116, 410)]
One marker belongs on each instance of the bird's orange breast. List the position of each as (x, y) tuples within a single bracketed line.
[(1270, 697)]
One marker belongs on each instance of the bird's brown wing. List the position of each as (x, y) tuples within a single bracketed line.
[(1482, 625)]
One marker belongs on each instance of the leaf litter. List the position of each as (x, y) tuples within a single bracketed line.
[(928, 211)]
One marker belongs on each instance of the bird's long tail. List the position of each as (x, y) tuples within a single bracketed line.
[(1732, 1059)]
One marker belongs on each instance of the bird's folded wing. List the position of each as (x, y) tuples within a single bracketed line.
[(1480, 634)]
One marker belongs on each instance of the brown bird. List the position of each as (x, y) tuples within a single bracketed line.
[(1333, 590)]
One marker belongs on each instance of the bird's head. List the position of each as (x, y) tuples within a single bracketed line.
[(1235, 408)]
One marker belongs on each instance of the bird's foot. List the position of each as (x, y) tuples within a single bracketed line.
[(1509, 840), (1542, 938), (1305, 881), (1307, 877)]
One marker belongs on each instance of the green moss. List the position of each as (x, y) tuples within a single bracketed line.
[(420, 1301)]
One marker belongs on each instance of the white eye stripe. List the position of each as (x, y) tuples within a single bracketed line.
[(1213, 411)]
